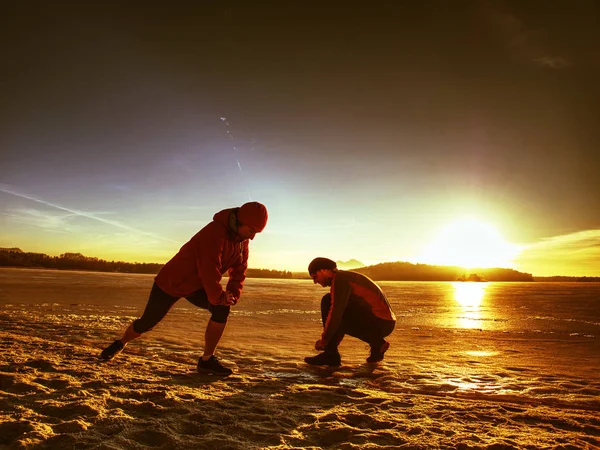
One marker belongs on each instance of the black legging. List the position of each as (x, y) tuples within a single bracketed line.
[(358, 322), (159, 304)]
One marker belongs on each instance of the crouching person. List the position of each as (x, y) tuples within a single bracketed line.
[(355, 306)]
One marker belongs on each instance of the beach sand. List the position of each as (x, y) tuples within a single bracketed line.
[(56, 394)]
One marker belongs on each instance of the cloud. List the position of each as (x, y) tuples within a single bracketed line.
[(44, 220), (574, 254), (522, 40), (585, 239), (553, 62), (58, 223)]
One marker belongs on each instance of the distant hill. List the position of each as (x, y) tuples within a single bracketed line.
[(349, 265), (404, 271)]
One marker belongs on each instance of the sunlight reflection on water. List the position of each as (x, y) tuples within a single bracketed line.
[(470, 297), (480, 353)]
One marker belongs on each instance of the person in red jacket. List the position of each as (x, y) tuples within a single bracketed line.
[(195, 273), (355, 306)]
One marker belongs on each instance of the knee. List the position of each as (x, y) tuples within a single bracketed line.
[(220, 314), (326, 300)]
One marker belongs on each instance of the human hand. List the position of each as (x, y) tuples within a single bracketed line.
[(320, 345), (230, 299)]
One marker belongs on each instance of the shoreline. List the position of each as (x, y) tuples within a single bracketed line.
[(553, 279)]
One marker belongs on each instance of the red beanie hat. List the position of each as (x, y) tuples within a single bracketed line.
[(254, 215)]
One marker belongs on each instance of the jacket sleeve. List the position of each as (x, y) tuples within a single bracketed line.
[(237, 272), (340, 293), (208, 260)]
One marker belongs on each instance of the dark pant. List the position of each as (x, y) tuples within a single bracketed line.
[(358, 322), (159, 304)]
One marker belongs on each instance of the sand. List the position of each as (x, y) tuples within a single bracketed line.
[(55, 393)]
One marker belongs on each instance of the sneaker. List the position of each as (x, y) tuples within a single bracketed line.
[(324, 359), (378, 352), (212, 366), (112, 350)]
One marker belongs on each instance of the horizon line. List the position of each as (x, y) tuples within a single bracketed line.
[(293, 271)]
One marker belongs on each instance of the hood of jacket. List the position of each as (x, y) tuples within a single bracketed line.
[(228, 218)]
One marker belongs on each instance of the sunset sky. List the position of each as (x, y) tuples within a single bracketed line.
[(438, 132)]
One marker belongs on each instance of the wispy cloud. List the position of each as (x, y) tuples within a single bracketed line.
[(38, 218), (521, 39), (553, 62), (578, 240), (570, 254), (58, 223)]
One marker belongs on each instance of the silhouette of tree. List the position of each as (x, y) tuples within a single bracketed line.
[(77, 261)]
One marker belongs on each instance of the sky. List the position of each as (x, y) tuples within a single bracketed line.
[(437, 132)]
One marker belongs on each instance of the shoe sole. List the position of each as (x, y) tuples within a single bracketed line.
[(203, 371), (323, 365), (212, 372), (106, 356), (109, 357)]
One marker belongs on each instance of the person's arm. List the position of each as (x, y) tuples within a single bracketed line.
[(237, 273), (208, 259), (340, 293)]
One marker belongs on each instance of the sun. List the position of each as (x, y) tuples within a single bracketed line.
[(470, 243)]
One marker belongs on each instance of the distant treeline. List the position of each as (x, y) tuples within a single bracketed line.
[(15, 257), (404, 271), (267, 273), (564, 278), (392, 271)]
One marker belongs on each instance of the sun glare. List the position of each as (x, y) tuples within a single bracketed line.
[(470, 243), (469, 295)]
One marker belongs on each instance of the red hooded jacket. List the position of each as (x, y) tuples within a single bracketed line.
[(202, 261)]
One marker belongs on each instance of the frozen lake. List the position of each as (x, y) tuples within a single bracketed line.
[(515, 345)]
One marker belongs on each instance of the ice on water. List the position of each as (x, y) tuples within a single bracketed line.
[(512, 346)]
